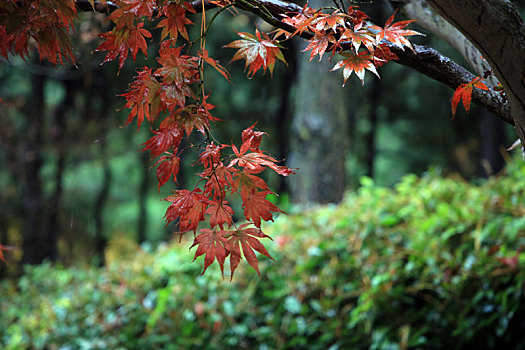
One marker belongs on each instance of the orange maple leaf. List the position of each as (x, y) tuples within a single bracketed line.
[(3, 249), (258, 50), (395, 32), (356, 63), (464, 92), (318, 44)]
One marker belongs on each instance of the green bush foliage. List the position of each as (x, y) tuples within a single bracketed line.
[(433, 263)]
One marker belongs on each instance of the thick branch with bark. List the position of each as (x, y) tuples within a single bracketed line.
[(423, 59)]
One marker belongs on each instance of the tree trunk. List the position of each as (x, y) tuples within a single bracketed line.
[(53, 227), (493, 144), (143, 198), (35, 247), (98, 213), (319, 138)]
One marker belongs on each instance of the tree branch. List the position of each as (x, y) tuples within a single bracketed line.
[(423, 59), (98, 6)]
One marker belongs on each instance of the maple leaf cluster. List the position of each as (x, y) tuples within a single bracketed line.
[(338, 31), (171, 98), (48, 22)]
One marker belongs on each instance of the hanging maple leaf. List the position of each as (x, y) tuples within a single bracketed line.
[(356, 63), (245, 182), (254, 162), (188, 207), (248, 238), (257, 207), (220, 214), (211, 243), (175, 20), (215, 64), (218, 180), (252, 137), (258, 51), (318, 44), (121, 40), (143, 97), (464, 92), (167, 167), (211, 155), (163, 140), (395, 32)]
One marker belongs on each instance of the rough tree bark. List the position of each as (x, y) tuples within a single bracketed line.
[(319, 135)]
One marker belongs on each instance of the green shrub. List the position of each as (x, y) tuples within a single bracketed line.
[(434, 263)]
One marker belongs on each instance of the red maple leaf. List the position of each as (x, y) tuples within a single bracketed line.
[(175, 20), (123, 39), (143, 97), (220, 214), (257, 207), (356, 63), (464, 91), (188, 207), (248, 239), (211, 155), (163, 140), (167, 166), (258, 51), (253, 137), (254, 162), (211, 243), (245, 182), (219, 179)]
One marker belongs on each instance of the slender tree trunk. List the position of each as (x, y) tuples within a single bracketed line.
[(35, 247), (493, 143), (375, 97), (143, 198), (53, 227), (98, 213), (319, 138)]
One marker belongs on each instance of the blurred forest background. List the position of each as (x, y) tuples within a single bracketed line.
[(369, 256), (73, 178)]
